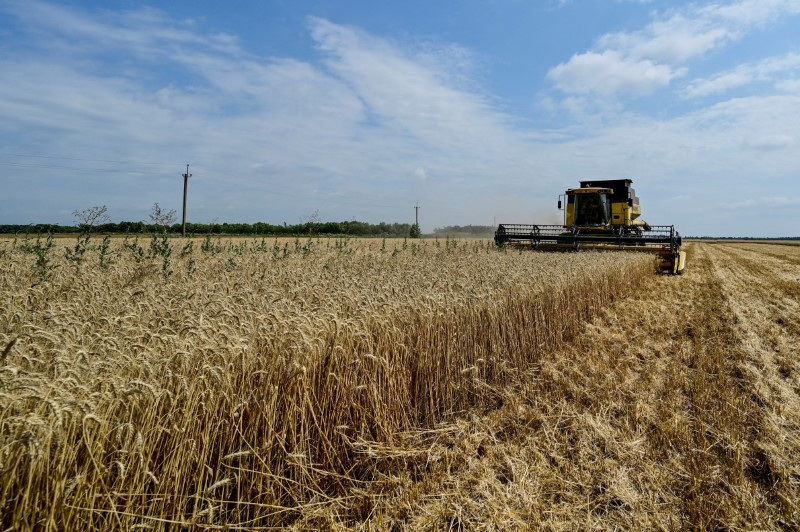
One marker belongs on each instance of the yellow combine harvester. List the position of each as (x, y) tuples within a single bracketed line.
[(600, 215)]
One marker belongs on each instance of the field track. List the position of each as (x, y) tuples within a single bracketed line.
[(678, 408)]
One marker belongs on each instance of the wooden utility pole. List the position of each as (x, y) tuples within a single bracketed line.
[(186, 177), (416, 214)]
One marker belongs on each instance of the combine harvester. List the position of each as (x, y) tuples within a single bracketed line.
[(600, 215)]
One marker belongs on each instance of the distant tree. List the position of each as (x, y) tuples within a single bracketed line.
[(312, 222), (415, 231)]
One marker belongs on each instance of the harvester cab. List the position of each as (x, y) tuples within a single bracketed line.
[(603, 204), (600, 215)]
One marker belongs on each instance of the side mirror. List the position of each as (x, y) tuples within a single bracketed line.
[(559, 204)]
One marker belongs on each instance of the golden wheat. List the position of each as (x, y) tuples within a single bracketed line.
[(246, 383)]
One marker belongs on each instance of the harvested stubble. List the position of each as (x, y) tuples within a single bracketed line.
[(675, 408), (242, 386)]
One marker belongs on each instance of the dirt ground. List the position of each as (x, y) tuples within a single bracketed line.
[(676, 408)]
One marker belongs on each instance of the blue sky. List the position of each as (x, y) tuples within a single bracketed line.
[(481, 111)]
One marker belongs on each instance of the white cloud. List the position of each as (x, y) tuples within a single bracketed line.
[(609, 73), (683, 34), (639, 62), (673, 40), (749, 13)]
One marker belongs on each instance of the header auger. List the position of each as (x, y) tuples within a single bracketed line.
[(600, 215)]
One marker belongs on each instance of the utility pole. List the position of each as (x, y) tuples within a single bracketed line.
[(415, 232), (186, 177)]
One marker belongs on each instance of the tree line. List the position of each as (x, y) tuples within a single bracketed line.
[(96, 220), (465, 230), (353, 227)]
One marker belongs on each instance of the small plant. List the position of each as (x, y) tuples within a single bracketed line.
[(207, 246), (136, 250), (160, 218), (87, 219), (343, 245), (160, 247), (75, 254), (42, 252), (236, 249), (187, 248), (105, 252), (260, 247), (165, 264), (307, 248)]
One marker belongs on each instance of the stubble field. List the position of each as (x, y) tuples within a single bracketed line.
[(244, 384)]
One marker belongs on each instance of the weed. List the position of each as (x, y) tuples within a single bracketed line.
[(187, 248), (105, 252)]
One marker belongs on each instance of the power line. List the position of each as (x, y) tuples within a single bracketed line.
[(82, 169), (32, 156)]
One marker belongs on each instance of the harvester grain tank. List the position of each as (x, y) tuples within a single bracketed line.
[(600, 215)]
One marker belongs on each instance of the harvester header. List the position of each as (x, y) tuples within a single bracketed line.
[(602, 214)]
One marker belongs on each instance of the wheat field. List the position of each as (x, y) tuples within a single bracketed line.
[(154, 383)]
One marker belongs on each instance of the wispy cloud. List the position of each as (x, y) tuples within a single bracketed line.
[(789, 86), (773, 69), (143, 31), (639, 62)]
